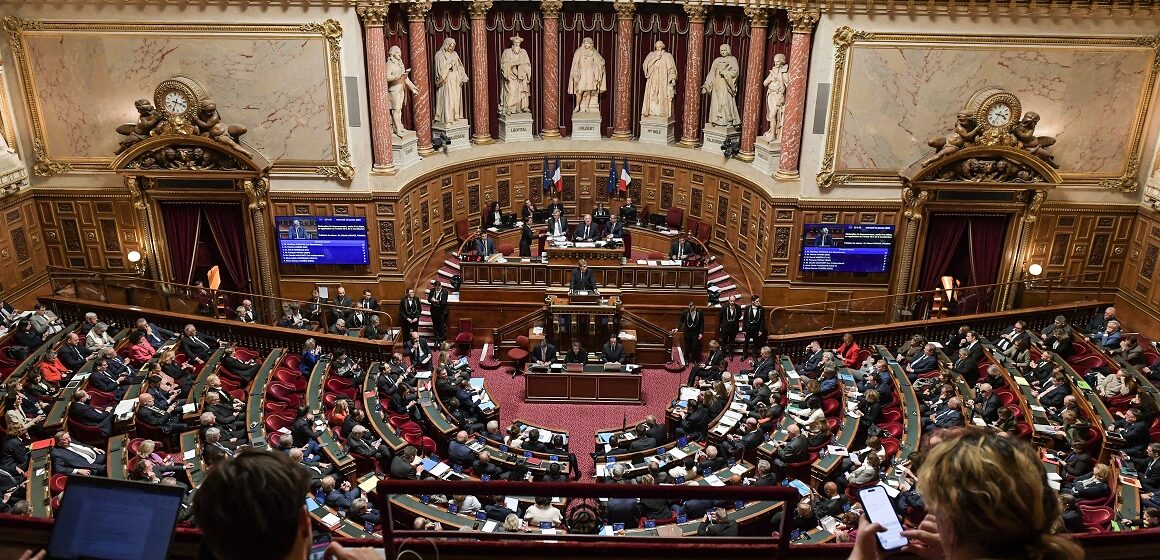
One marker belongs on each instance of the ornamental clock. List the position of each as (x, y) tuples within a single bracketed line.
[(996, 110), (178, 99)]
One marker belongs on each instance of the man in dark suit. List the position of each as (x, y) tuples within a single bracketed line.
[(557, 224), (951, 346), (437, 300), (586, 231), (965, 365), (419, 352), (582, 279), (750, 438), (1148, 469), (458, 452), (342, 302), (764, 366), (711, 368), (543, 353), (681, 248), (368, 301), (484, 246), (949, 417), (527, 236), (753, 319), (1013, 335), (656, 430), (794, 449), (244, 369), (406, 465), (728, 327), (84, 413), (102, 379), (1078, 462), (297, 231), (153, 333), (69, 457), (760, 395), (924, 363), (613, 350), (484, 467), (198, 347), (693, 323), (555, 206), (814, 355), (73, 353), (987, 403), (1134, 431), (410, 309), (642, 441), (695, 422), (627, 211), (824, 239), (165, 420), (1100, 323), (973, 346), (615, 228)]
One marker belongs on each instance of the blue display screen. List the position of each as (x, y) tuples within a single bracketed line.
[(322, 240), (846, 248)]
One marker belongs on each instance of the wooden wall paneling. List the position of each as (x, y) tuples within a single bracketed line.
[(88, 231)]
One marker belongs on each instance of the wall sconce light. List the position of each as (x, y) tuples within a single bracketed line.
[(136, 258), (1035, 270)]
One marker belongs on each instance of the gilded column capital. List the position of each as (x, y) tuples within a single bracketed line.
[(551, 8), (758, 16), (624, 9), (417, 10), (478, 8), (696, 10), (804, 20), (372, 14)]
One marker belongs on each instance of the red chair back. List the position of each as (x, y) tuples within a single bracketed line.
[(522, 341), (704, 232)]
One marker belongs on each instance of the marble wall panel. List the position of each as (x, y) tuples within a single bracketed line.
[(898, 96), (278, 87)]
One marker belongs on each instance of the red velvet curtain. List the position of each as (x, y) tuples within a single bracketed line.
[(943, 238), (574, 28), (986, 242), (504, 22), (181, 234), (228, 229)]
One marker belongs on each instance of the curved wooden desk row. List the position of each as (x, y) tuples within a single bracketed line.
[(34, 357)]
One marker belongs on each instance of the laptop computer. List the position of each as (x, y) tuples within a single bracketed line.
[(108, 519)]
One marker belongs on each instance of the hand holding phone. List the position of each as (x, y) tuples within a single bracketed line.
[(880, 509)]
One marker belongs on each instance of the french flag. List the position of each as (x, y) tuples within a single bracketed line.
[(558, 179), (625, 178)]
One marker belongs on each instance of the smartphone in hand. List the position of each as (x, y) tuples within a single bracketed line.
[(879, 509)]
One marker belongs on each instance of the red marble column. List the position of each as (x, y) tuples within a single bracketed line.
[(420, 72), (551, 56), (480, 72), (795, 95), (375, 45), (622, 100), (754, 75), (691, 109)]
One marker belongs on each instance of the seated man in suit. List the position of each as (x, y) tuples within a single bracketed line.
[(484, 246), (73, 353), (764, 365), (104, 380), (458, 452), (682, 248), (987, 403), (245, 369), (1012, 336), (1109, 338), (419, 352), (69, 457), (582, 279), (586, 231), (695, 421), (711, 368), (484, 467), (84, 413), (965, 365), (613, 351), (614, 229), (164, 419), (949, 417), (359, 442), (1148, 468), (627, 211), (656, 430), (576, 354), (198, 347), (557, 224), (543, 353), (643, 441), (153, 333), (224, 414), (925, 363), (794, 449), (760, 395)]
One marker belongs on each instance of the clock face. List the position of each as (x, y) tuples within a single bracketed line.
[(176, 103), (999, 114)]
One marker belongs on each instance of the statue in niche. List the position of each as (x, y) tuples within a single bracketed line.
[(450, 78), (135, 132), (660, 82), (775, 86), (210, 124), (515, 72), (587, 80), (398, 82), (721, 85), (1039, 146)]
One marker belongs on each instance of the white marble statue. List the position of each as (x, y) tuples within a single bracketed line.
[(660, 82), (398, 82), (775, 85), (515, 72), (450, 78), (721, 85), (587, 79)]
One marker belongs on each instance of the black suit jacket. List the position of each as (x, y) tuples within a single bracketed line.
[(613, 353), (199, 346), (73, 357), (546, 353), (400, 468), (719, 528), (89, 416), (658, 432), (763, 368), (410, 309), (730, 314), (754, 323), (65, 461), (593, 231), (614, 230), (437, 301), (563, 226), (13, 455), (693, 325), (687, 248), (642, 443), (794, 451), (156, 417), (582, 280)]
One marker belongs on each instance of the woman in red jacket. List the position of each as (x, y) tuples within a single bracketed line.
[(140, 351), (52, 368), (849, 351)]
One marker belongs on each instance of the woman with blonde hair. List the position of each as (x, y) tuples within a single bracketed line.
[(987, 497)]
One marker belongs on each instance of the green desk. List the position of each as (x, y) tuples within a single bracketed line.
[(118, 457), (374, 410), (39, 474), (912, 423), (334, 451), (193, 465), (255, 425)]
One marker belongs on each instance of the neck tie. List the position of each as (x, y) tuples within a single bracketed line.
[(83, 451)]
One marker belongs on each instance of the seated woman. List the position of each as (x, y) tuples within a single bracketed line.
[(871, 411), (52, 368), (310, 353), (818, 433), (1093, 486), (140, 350), (37, 387), (172, 373), (1020, 352), (812, 411), (576, 355)]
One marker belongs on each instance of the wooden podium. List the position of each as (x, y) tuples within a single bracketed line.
[(592, 385)]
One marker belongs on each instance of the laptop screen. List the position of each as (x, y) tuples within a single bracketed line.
[(115, 520)]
